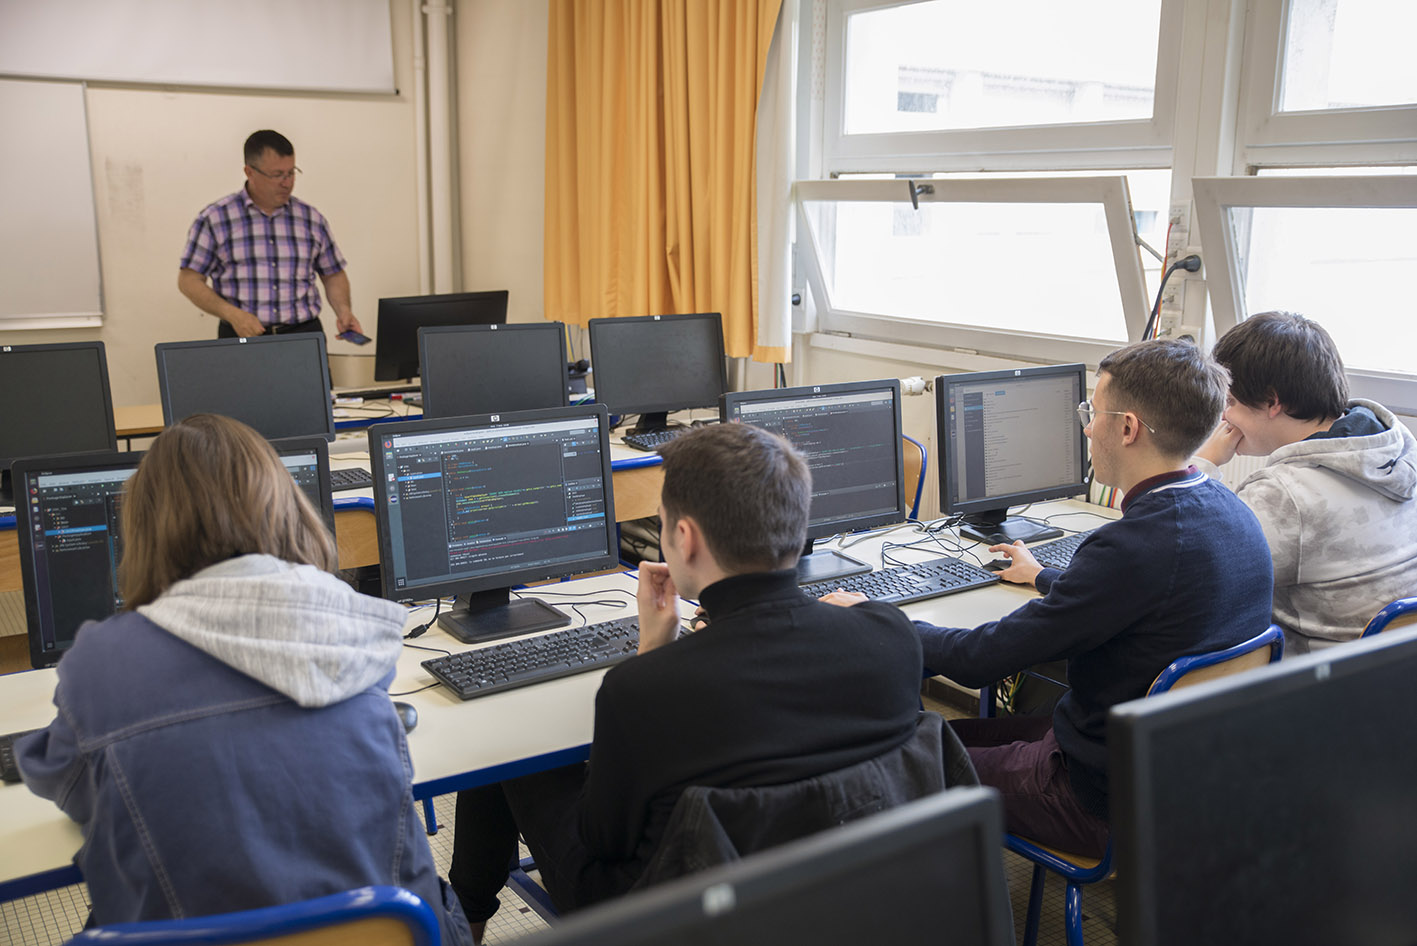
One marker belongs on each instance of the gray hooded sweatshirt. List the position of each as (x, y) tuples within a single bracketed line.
[(1340, 514)]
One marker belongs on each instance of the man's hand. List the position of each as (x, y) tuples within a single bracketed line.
[(843, 599), (1221, 447), (1025, 567), (659, 606), (246, 324), (345, 322)]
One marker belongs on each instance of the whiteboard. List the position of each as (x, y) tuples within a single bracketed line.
[(48, 236), (307, 45)]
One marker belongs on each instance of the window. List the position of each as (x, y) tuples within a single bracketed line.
[(1338, 250)]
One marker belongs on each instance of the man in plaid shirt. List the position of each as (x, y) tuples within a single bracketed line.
[(262, 249)]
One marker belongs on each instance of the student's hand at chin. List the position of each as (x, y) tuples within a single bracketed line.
[(658, 602), (1220, 448)]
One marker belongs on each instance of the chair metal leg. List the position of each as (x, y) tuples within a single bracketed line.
[(1035, 906), (533, 893), (1072, 914), (430, 818)]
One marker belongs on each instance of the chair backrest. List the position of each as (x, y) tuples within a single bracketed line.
[(1264, 648), (368, 916), (1401, 613), (912, 484)]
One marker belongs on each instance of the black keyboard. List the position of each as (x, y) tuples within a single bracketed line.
[(1059, 552), (654, 439), (9, 772), (902, 584), (531, 660), (351, 477)]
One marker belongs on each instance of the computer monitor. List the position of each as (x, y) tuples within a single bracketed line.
[(56, 401), (396, 348), (851, 437), (927, 872), (1271, 807), (482, 369), (70, 544), (1009, 438), (471, 506), (278, 384), (654, 364), (307, 459)]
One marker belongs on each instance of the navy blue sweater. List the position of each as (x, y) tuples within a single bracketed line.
[(1185, 571)]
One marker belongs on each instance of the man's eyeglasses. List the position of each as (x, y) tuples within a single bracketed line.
[(1086, 412), (277, 175)]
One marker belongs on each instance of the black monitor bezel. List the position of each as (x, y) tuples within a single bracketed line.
[(1132, 726), (286, 446), (520, 576), (317, 339), (392, 342), (598, 359), (11, 351), (947, 474), (432, 335), (732, 402), (23, 468), (666, 912)]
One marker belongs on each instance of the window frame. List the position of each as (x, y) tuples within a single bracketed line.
[(1215, 196), (1109, 191)]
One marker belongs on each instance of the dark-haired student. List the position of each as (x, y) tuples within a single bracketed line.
[(1338, 498), (1184, 571), (227, 741), (777, 687)]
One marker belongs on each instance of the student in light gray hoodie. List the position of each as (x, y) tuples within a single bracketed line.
[(1338, 499), (227, 741)]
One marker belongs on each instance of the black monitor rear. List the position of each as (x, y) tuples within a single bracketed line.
[(927, 872), (851, 437), (54, 400), (1272, 807), (278, 384), (654, 364), (396, 348), (70, 544), (471, 506), (1009, 438), (484, 369)]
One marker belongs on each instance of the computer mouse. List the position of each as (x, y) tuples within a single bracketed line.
[(997, 565), (407, 715)]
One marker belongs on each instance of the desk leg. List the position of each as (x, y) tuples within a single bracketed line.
[(430, 818)]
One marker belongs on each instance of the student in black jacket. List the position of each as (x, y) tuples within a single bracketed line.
[(777, 687), (1186, 570)]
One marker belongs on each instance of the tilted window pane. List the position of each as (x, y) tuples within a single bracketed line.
[(1349, 54), (948, 64)]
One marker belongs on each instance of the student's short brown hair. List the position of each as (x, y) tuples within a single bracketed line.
[(210, 489), (1284, 357), (1172, 386), (749, 491)]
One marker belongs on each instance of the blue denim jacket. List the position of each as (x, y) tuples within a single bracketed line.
[(201, 790)]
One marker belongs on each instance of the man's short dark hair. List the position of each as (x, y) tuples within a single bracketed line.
[(259, 141), (749, 491), (1172, 386), (1284, 357)]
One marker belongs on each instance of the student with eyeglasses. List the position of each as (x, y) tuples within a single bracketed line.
[(262, 249), (1184, 571)]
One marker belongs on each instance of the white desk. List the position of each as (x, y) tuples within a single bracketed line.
[(456, 744)]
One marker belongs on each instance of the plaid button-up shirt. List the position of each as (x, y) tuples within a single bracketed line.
[(263, 264)]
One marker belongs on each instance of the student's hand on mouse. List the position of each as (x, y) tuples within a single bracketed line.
[(700, 620), (658, 601), (1222, 445), (1025, 567), (843, 599)]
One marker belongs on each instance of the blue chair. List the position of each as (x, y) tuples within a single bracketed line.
[(916, 461), (1400, 613), (387, 916), (1078, 871)]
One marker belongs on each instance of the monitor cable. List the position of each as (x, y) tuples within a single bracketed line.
[(1190, 264)]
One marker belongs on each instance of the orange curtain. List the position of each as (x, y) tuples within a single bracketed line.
[(651, 110)]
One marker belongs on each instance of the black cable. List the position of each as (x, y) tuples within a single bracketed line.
[(422, 628), (1190, 264)]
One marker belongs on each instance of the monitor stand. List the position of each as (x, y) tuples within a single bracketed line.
[(651, 422), (983, 526), (827, 565), (493, 614), (7, 492)]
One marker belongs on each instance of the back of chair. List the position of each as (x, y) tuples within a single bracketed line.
[(1264, 648), (1401, 613), (913, 482), (368, 916)]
